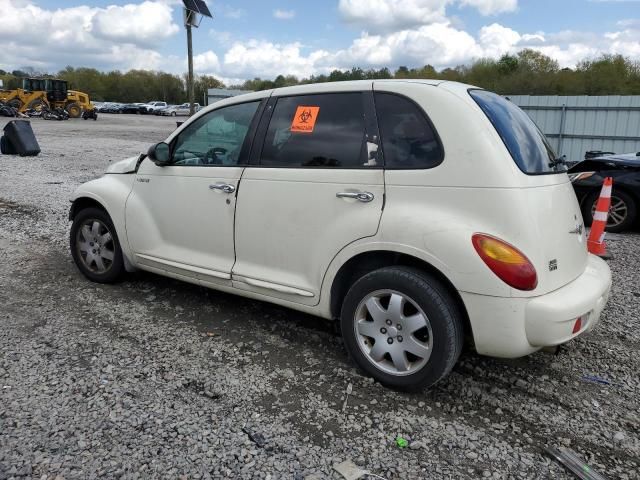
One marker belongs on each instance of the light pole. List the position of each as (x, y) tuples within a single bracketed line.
[(194, 10)]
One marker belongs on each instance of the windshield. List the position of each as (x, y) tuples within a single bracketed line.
[(526, 143)]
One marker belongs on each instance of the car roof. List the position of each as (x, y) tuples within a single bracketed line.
[(327, 87)]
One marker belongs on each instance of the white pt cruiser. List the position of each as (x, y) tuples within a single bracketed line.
[(414, 212)]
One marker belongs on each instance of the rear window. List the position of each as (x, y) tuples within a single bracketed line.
[(526, 143)]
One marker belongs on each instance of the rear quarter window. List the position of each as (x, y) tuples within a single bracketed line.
[(409, 141), (527, 145)]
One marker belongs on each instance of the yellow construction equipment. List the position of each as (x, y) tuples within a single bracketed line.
[(37, 93)]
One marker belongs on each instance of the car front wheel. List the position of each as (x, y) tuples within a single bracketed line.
[(402, 327), (95, 247)]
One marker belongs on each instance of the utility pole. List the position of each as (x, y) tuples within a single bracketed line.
[(190, 92), (194, 10)]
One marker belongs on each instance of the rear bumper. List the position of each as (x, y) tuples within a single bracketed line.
[(514, 327)]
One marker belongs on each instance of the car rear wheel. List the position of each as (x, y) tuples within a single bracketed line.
[(95, 247), (622, 212), (402, 327)]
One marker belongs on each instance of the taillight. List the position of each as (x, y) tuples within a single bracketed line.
[(506, 261)]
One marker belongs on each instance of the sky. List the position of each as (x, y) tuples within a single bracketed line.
[(259, 38)]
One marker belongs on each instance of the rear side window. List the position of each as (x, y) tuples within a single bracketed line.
[(408, 139), (527, 145), (325, 130)]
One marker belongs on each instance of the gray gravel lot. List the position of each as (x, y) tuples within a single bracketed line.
[(156, 378)]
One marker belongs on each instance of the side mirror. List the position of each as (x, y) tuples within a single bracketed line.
[(160, 153)]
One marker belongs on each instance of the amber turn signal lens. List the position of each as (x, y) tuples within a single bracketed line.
[(506, 261)]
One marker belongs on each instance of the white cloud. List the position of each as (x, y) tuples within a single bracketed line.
[(394, 33), (495, 40), (113, 37), (270, 59), (492, 7), (438, 44), (206, 62), (389, 15), (284, 14), (143, 23)]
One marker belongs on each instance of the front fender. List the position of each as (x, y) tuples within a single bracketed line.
[(110, 191)]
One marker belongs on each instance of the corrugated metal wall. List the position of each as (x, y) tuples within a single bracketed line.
[(577, 124)]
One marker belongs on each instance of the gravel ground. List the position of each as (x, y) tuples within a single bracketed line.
[(156, 378)]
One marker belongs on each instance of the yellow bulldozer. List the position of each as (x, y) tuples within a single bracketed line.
[(37, 93)]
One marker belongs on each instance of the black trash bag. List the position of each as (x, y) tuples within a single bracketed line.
[(6, 146), (20, 134)]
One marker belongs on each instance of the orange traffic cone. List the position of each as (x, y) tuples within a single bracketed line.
[(595, 243)]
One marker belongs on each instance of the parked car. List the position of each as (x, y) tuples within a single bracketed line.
[(588, 176), (180, 110), (103, 107), (151, 106), (111, 107), (158, 111), (131, 108), (359, 201)]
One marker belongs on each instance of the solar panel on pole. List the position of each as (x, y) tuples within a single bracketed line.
[(190, 5), (203, 9), (197, 6)]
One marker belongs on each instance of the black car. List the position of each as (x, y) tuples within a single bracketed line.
[(588, 176), (130, 108)]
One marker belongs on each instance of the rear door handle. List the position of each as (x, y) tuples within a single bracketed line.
[(225, 187), (365, 197)]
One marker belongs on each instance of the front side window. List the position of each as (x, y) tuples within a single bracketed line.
[(326, 130), (215, 138), (408, 139), (526, 143)]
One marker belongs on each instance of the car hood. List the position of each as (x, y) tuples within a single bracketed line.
[(124, 166)]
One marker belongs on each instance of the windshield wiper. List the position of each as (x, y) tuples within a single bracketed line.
[(562, 160)]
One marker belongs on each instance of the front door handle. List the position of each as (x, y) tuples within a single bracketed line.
[(365, 197), (225, 187)]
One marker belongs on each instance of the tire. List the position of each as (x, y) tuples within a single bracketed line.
[(15, 103), (81, 241), (425, 298), (38, 104), (74, 110), (622, 213), (173, 114)]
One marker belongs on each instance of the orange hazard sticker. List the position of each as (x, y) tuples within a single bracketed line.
[(305, 119)]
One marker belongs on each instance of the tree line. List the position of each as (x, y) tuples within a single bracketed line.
[(526, 72)]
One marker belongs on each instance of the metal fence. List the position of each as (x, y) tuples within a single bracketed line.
[(577, 124)]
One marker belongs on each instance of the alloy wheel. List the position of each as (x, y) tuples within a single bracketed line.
[(95, 246), (393, 332), (618, 211)]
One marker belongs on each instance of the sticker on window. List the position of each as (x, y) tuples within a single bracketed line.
[(304, 119)]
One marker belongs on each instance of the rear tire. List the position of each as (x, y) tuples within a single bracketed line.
[(622, 213), (74, 110), (95, 247), (402, 327)]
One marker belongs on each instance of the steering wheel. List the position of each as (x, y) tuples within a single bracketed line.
[(211, 157)]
